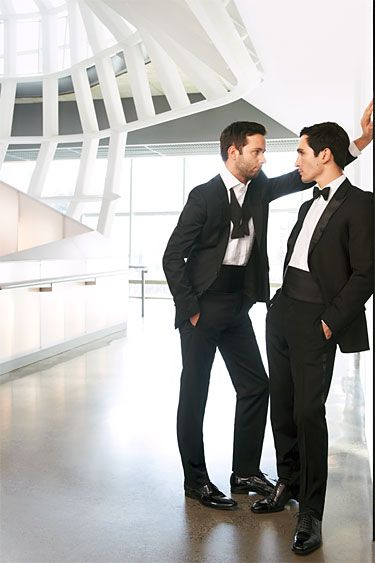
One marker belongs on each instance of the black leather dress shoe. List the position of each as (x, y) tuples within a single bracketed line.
[(276, 501), (209, 495), (253, 484), (308, 534)]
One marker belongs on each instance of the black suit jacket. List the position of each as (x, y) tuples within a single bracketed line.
[(340, 259), (196, 248)]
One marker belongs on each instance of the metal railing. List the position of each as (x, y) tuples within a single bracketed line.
[(143, 273), (45, 284)]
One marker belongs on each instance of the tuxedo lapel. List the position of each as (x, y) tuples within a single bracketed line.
[(296, 230), (256, 211), (329, 211)]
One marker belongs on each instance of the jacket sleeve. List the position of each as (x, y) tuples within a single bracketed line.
[(291, 182), (179, 246), (359, 287)]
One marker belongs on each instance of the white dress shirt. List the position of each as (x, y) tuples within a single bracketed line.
[(301, 247), (239, 249)]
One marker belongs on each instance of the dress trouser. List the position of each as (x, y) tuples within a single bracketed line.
[(300, 368), (224, 324)]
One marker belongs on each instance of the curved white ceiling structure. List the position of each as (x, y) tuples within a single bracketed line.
[(174, 47)]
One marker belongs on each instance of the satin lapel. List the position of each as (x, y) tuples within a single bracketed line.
[(256, 207), (329, 211), (223, 200), (296, 230)]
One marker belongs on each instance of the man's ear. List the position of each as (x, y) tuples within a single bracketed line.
[(232, 152), (326, 155)]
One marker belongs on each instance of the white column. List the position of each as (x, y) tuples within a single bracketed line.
[(110, 92), (167, 73), (206, 80), (10, 47), (84, 100), (50, 107), (3, 152), (45, 157), (85, 173), (92, 26), (49, 42), (139, 82), (116, 154), (76, 36), (7, 100), (218, 25), (110, 18)]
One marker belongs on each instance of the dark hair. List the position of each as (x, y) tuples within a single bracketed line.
[(236, 133), (328, 135)]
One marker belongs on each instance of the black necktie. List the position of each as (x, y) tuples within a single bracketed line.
[(238, 217), (317, 192)]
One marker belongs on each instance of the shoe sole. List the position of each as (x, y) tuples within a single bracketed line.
[(307, 551), (218, 507), (266, 511)]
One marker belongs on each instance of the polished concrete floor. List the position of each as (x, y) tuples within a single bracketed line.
[(90, 469)]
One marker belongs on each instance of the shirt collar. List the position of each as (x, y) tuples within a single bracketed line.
[(229, 180), (334, 186)]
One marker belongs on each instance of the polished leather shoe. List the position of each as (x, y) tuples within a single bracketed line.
[(276, 501), (308, 534), (209, 495), (253, 484)]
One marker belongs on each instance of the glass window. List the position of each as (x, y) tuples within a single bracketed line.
[(199, 169), (150, 234), (62, 30), (28, 63), (61, 178), (28, 35), (63, 58), (1, 38), (17, 174), (25, 6), (157, 183)]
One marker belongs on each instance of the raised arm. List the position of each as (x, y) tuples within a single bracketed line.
[(367, 126), (291, 182)]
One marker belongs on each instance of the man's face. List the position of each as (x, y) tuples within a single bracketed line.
[(309, 166), (250, 160)]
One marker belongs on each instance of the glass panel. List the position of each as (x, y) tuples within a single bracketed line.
[(199, 169), (1, 38), (28, 35), (28, 63), (61, 178), (25, 6), (157, 183), (63, 58), (150, 235), (17, 174), (123, 204), (62, 30)]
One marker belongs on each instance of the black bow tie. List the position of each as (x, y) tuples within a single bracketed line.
[(317, 192)]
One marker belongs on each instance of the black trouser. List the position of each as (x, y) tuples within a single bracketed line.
[(224, 324), (300, 368)]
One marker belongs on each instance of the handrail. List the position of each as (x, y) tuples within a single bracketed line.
[(89, 277), (143, 272)]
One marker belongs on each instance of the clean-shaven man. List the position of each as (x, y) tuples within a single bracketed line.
[(328, 277)]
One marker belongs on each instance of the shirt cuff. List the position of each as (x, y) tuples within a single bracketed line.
[(354, 150)]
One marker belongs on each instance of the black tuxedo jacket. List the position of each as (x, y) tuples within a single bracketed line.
[(196, 248), (340, 259)]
